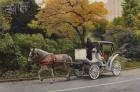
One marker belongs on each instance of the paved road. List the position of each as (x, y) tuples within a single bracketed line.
[(128, 81)]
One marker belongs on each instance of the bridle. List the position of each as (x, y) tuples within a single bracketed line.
[(33, 53)]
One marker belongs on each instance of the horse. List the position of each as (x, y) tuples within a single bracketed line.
[(49, 61)]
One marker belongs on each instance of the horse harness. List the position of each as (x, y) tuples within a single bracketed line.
[(48, 60)]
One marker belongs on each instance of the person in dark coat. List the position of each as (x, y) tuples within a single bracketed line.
[(89, 46)]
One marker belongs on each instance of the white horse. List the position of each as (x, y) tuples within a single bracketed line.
[(49, 61)]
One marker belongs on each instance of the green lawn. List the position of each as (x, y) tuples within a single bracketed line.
[(130, 64)]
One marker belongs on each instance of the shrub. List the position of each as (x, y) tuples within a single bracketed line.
[(14, 50), (59, 46), (25, 42), (8, 53)]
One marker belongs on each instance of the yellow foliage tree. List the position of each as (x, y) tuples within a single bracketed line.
[(79, 15)]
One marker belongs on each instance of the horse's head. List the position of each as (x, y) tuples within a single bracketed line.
[(33, 55)]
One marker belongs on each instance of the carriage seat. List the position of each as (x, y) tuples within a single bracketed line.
[(106, 55)]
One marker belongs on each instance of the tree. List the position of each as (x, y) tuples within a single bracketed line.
[(4, 18), (75, 16), (130, 12), (18, 13), (4, 23), (23, 15)]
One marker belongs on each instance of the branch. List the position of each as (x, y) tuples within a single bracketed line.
[(76, 29), (73, 11)]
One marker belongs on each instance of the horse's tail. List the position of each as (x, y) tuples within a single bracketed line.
[(71, 61)]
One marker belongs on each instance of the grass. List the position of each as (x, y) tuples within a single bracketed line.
[(130, 65)]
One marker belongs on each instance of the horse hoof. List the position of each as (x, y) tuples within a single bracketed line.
[(68, 79), (41, 80), (51, 82)]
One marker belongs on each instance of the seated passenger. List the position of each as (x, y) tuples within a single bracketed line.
[(96, 56)]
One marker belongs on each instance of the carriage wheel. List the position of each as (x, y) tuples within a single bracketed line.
[(94, 71), (116, 68)]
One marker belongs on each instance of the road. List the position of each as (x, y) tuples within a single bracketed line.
[(128, 81)]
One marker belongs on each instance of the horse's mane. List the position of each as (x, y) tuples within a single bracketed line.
[(41, 51)]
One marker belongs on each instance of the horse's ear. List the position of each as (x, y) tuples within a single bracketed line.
[(32, 49)]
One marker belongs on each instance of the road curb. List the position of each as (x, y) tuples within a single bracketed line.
[(16, 80)]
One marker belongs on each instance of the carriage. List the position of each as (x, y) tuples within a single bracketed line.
[(103, 59), (99, 58)]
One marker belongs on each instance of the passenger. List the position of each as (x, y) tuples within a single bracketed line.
[(96, 55)]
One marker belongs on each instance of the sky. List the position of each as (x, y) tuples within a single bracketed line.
[(105, 1)]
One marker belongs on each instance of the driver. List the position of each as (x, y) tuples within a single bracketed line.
[(89, 46)]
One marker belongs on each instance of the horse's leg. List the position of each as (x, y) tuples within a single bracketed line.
[(43, 68), (68, 70), (52, 74), (39, 73)]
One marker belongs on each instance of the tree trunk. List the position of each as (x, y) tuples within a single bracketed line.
[(80, 34), (82, 38)]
